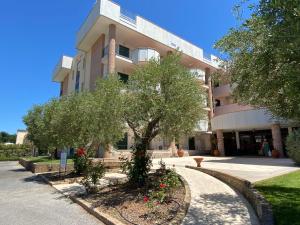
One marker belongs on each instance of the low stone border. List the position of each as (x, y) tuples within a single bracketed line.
[(109, 220), (262, 208), (42, 167), (184, 208)]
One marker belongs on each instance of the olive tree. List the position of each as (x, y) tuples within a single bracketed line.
[(162, 98), (263, 57)]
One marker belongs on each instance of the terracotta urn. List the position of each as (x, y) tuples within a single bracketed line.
[(275, 153), (198, 161), (180, 152), (216, 152)]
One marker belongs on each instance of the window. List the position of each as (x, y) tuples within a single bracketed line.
[(122, 144), (77, 81), (123, 51), (123, 77)]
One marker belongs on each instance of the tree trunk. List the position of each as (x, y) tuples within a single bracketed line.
[(108, 151)]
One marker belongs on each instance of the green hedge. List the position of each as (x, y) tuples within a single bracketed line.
[(13, 152)]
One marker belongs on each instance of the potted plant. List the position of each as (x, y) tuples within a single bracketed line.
[(275, 153), (180, 152), (214, 151), (198, 161)]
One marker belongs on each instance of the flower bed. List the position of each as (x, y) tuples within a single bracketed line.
[(141, 206)]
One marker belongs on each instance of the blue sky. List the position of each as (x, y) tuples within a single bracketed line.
[(34, 34)]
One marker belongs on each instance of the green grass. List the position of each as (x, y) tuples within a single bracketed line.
[(283, 192), (46, 160)]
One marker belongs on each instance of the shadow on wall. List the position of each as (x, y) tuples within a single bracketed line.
[(219, 209)]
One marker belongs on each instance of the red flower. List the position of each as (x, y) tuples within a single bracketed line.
[(146, 199), (80, 152), (162, 185)]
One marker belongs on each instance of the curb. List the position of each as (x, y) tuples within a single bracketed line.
[(103, 217), (109, 220), (260, 205)]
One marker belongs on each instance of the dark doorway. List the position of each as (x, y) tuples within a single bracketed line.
[(251, 141), (122, 144), (192, 143), (230, 144)]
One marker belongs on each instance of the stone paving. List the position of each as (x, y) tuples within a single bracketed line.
[(249, 168)]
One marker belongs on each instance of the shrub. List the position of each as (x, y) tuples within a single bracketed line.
[(138, 167), (293, 146), (163, 189), (93, 173), (80, 161)]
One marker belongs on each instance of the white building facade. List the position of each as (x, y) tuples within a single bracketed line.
[(112, 40)]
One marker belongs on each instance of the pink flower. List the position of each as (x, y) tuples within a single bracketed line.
[(146, 199), (162, 185)]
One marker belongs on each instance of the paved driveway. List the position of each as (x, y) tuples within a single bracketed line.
[(25, 200), (249, 168)]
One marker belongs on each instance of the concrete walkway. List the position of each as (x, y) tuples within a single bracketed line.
[(26, 200), (213, 202), (249, 168)]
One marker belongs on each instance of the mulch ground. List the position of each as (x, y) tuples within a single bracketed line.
[(126, 204)]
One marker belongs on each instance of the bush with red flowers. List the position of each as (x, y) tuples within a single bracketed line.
[(163, 189), (80, 161)]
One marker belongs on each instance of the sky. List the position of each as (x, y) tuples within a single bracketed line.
[(34, 34)]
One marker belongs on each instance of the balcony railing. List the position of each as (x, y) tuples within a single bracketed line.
[(128, 16), (231, 108)]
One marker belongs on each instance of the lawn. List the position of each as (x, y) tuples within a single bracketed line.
[(46, 160), (283, 192)]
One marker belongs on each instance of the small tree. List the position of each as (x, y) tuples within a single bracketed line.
[(70, 120), (162, 98), (105, 117)]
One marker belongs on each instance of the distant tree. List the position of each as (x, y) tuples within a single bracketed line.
[(6, 137), (38, 121), (263, 57)]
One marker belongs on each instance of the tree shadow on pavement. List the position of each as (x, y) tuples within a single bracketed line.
[(219, 209), (263, 161)]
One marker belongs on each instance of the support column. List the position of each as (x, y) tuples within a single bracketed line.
[(172, 147), (112, 48), (210, 95), (290, 130), (237, 139), (277, 140), (220, 139)]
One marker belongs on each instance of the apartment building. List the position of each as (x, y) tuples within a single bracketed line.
[(240, 129), (112, 40)]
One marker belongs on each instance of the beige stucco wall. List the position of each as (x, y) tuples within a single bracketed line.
[(21, 136)]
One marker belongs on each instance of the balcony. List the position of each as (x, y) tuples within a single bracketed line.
[(224, 109), (199, 74), (142, 55), (202, 126), (136, 56), (62, 68)]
